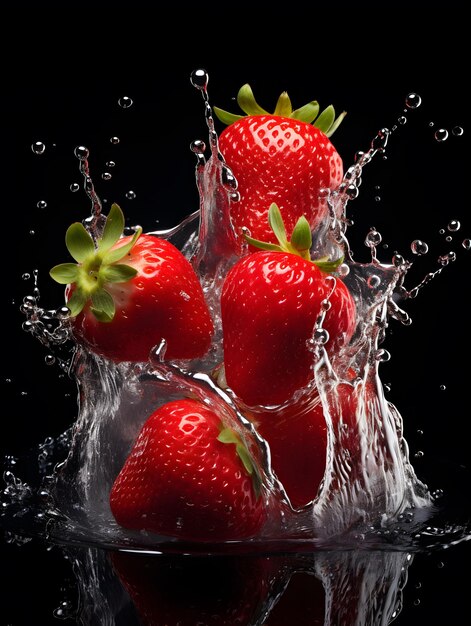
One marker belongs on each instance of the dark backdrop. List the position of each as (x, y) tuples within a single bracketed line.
[(62, 75)]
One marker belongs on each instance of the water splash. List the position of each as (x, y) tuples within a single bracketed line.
[(369, 482)]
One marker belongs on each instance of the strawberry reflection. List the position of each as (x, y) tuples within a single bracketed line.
[(331, 588)]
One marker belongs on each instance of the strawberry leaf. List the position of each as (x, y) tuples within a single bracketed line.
[(301, 237), (103, 307), (245, 457), (336, 124), (227, 435), (65, 273), (327, 265), (283, 105), (277, 225), (79, 242), (325, 119), (263, 245), (307, 113), (119, 252), (76, 302), (113, 229), (118, 273), (225, 117), (248, 104)]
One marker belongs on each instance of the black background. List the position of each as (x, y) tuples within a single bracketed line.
[(62, 75)]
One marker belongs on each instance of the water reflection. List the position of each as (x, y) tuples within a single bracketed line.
[(326, 588)]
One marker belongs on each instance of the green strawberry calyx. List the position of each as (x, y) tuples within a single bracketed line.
[(309, 113), (229, 436), (299, 244), (97, 265)]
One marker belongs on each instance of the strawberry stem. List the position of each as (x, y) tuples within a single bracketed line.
[(97, 265), (309, 113), (300, 243)]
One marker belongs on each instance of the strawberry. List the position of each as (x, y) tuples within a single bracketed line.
[(190, 477), (286, 158), (297, 436), (270, 303), (122, 310), (175, 590)]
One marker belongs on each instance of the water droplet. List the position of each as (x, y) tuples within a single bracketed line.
[(49, 359), (419, 247), (449, 238), (402, 120), (352, 191), (457, 131), (419, 454), (441, 135), (326, 305), (373, 238), (199, 79), (125, 102), (343, 270), (416, 602), (42, 204), (74, 187), (466, 243), (26, 276), (32, 232), (381, 140), (442, 387), (321, 336), (453, 225), (81, 152), (110, 164), (440, 564), (130, 195), (398, 260), (413, 100), (431, 124), (441, 231), (198, 146), (445, 259), (377, 198), (114, 140), (383, 356), (420, 431), (373, 282), (106, 176), (38, 147)]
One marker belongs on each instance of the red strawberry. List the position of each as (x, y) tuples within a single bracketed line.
[(297, 436), (285, 158), (121, 311), (175, 590), (188, 476), (270, 303)]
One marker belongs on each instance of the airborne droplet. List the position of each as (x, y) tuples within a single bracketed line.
[(441, 135), (419, 247), (81, 152), (413, 100), (199, 79), (125, 102), (453, 225), (38, 147)]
